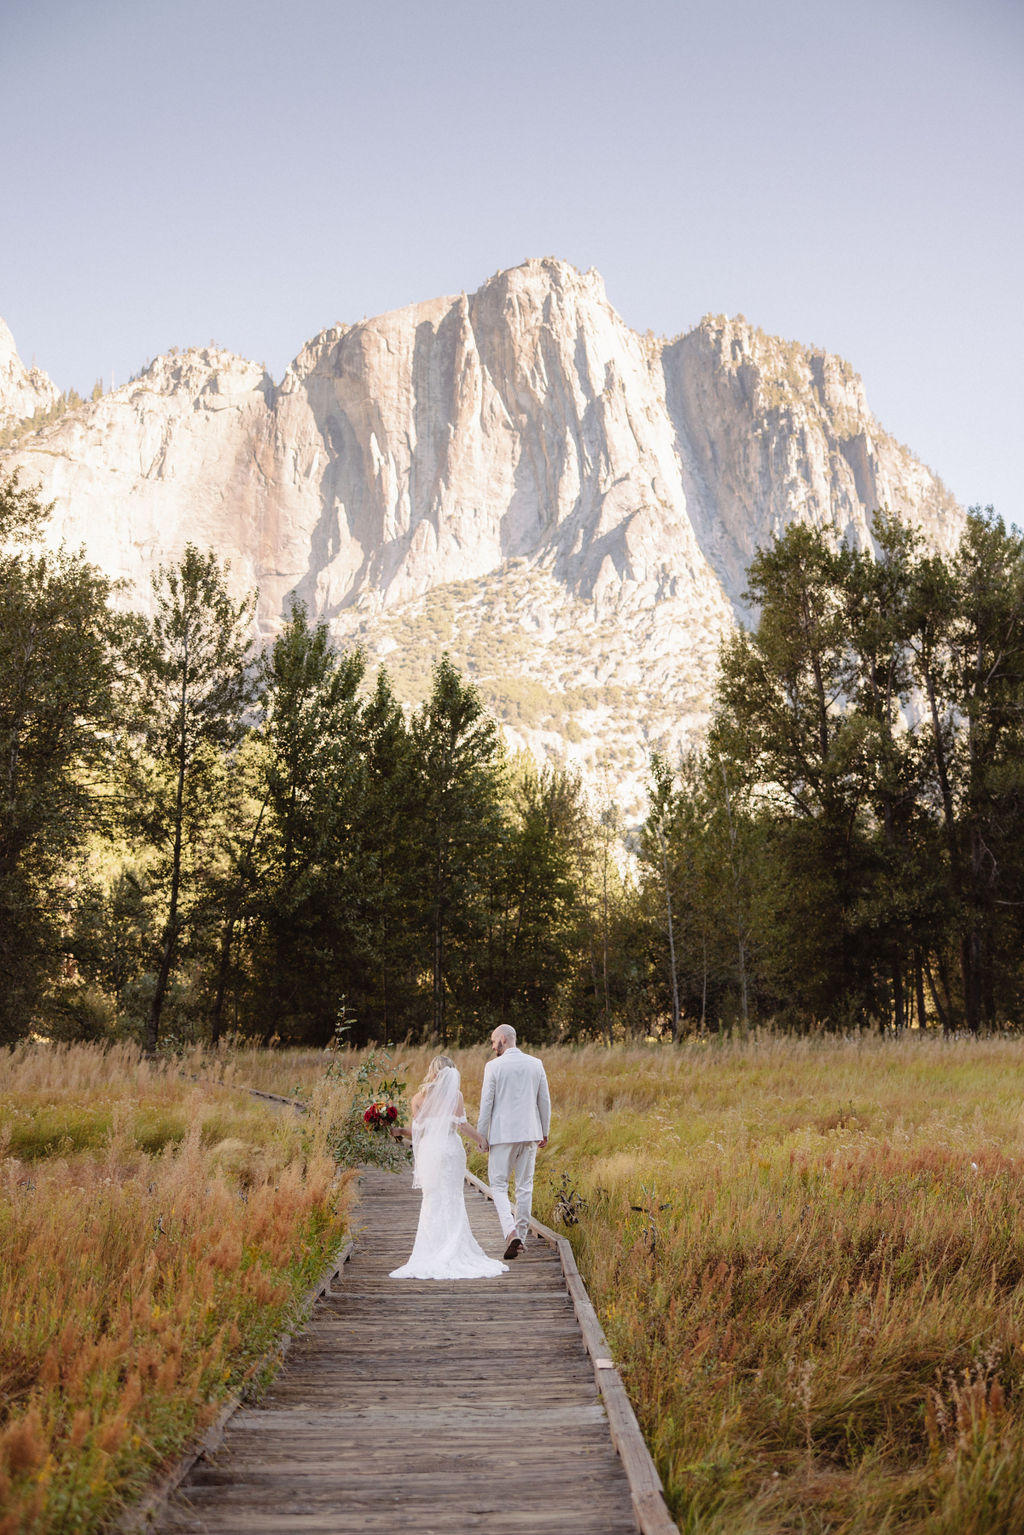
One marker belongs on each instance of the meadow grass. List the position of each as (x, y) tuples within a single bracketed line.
[(156, 1235), (808, 1259), (807, 1256)]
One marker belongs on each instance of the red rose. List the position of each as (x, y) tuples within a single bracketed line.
[(392, 1111), (370, 1115)]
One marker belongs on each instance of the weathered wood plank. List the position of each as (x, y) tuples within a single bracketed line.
[(457, 1406), (652, 1515), (391, 1521)]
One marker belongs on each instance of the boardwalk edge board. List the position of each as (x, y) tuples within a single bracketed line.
[(142, 1515), (254, 1092), (646, 1491)]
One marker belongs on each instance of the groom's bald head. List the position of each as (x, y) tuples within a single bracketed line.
[(503, 1038)]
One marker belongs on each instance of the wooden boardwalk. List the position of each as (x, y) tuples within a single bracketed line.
[(422, 1407)]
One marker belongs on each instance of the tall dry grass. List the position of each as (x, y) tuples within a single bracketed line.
[(155, 1236), (808, 1257)]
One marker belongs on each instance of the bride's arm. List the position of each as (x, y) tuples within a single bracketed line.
[(466, 1129), (473, 1135)]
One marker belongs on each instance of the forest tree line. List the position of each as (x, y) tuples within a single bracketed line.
[(200, 837), (847, 849)]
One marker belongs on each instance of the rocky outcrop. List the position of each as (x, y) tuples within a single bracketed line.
[(515, 474), (23, 391), (770, 431)]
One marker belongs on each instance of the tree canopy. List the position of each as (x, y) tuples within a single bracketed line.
[(204, 834)]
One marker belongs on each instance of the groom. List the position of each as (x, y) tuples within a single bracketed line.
[(515, 1116)]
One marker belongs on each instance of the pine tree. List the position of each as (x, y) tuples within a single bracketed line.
[(311, 940), (195, 681), (387, 825), (458, 770)]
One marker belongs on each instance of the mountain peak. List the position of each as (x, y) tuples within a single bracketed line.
[(513, 475), (23, 391)]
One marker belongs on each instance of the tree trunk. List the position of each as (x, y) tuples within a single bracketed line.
[(970, 961), (384, 979), (671, 940), (438, 978), (741, 945), (899, 1020), (170, 941), (439, 1012), (704, 983), (919, 986), (946, 991), (956, 862), (227, 937), (936, 1000), (223, 966), (604, 950)]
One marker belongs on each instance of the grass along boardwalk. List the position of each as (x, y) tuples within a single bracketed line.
[(453, 1406)]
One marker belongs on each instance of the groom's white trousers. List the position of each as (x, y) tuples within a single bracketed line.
[(512, 1159)]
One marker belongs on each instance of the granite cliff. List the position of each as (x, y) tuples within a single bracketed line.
[(23, 391), (515, 475)]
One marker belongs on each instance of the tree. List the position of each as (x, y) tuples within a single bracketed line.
[(387, 826), (310, 881), (242, 834), (784, 732), (535, 903), (59, 672), (458, 770), (968, 655), (194, 685), (654, 851)]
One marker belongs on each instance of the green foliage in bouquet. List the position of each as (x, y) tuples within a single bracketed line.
[(376, 1106)]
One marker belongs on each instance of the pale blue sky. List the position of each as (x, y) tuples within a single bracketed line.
[(847, 174)]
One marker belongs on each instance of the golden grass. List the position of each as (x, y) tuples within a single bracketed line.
[(155, 1235), (818, 1305), (808, 1258)]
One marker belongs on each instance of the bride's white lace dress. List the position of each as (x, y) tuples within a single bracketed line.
[(445, 1247)]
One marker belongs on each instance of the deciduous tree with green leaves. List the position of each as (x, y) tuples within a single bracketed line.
[(59, 678)]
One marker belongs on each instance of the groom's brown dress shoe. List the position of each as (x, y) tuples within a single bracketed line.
[(514, 1247)]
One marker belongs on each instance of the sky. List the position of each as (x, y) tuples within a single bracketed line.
[(848, 175)]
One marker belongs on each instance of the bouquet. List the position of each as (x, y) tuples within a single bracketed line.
[(381, 1116), (375, 1106)]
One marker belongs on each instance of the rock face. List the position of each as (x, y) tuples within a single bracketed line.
[(23, 391), (515, 475)]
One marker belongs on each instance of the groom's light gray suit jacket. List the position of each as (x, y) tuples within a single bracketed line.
[(514, 1101)]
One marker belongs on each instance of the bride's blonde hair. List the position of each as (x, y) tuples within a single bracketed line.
[(437, 1064)]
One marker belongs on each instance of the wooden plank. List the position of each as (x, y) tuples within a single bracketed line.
[(388, 1412), (652, 1515), (390, 1521)]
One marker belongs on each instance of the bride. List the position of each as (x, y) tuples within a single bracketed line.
[(445, 1247)]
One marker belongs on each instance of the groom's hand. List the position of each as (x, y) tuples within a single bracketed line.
[(543, 1143)]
